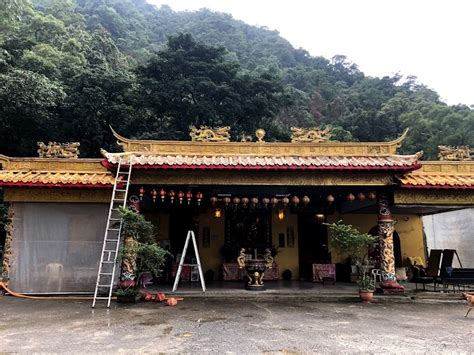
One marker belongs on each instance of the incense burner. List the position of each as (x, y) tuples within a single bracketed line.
[(255, 269)]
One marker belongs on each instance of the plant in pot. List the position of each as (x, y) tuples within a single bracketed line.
[(139, 254), (348, 239), (366, 287)]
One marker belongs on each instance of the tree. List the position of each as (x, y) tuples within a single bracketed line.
[(190, 83)]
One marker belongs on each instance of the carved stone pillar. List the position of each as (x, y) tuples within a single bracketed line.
[(7, 251), (386, 223), (129, 262)]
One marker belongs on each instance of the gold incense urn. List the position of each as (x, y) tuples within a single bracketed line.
[(255, 269)]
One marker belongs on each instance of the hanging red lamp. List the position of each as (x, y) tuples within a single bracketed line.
[(163, 195), (189, 196), (350, 197), (226, 201), (285, 201), (213, 200), (171, 194), (305, 200), (199, 197), (274, 201), (245, 201), (236, 201), (295, 201), (265, 201), (141, 192), (254, 200), (330, 199), (154, 193), (372, 195), (361, 196), (181, 196)]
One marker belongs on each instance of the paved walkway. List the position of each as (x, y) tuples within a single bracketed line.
[(236, 325)]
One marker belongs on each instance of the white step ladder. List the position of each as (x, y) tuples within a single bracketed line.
[(110, 247), (181, 263)]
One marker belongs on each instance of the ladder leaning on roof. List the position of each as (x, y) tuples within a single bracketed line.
[(110, 247)]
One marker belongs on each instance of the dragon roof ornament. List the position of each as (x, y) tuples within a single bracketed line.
[(459, 153), (58, 150), (208, 134), (310, 135)]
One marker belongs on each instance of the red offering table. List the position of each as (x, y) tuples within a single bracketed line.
[(185, 273), (323, 272)]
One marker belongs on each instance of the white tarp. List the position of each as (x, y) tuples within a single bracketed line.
[(452, 230), (56, 247)]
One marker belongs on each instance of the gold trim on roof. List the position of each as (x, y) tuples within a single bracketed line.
[(441, 173), (251, 148), (208, 134)]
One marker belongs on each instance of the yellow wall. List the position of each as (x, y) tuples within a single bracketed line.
[(211, 257), (287, 258), (408, 227)]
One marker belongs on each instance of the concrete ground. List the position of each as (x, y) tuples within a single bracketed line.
[(260, 324)]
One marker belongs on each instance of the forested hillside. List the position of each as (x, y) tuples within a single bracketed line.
[(68, 69)]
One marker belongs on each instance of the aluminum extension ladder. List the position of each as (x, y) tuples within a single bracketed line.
[(111, 245), (192, 236)]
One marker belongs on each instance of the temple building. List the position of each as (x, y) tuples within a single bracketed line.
[(252, 194)]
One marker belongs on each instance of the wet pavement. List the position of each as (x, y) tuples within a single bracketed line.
[(233, 325)]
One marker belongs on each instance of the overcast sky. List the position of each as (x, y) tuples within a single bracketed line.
[(431, 39)]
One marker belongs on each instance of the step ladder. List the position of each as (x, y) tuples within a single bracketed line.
[(110, 247), (181, 263)]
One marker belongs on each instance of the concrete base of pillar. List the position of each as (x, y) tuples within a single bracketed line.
[(389, 287)]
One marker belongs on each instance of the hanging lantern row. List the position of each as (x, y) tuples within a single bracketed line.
[(172, 195), (265, 201)]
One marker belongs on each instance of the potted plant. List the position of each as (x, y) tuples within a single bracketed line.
[(139, 254), (366, 288), (348, 239)]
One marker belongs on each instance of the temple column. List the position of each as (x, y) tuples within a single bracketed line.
[(7, 250), (386, 224)]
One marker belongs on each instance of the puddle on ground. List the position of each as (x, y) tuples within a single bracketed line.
[(152, 322)]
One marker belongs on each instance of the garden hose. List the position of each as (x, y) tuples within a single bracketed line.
[(74, 298)]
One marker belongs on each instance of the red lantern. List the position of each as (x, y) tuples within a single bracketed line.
[(265, 201), (360, 196), (372, 195), (199, 197), (154, 193), (180, 196), (226, 200), (189, 196), (330, 199), (254, 200), (236, 200), (141, 192), (350, 197), (213, 200), (163, 195), (285, 201), (306, 200), (171, 194), (274, 201), (245, 201), (295, 200)]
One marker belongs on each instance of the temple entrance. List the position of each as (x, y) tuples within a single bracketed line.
[(313, 244), (248, 228)]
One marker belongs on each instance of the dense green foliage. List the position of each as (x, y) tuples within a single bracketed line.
[(70, 68)]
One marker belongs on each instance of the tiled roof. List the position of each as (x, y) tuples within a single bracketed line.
[(437, 181), (56, 178), (391, 162)]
